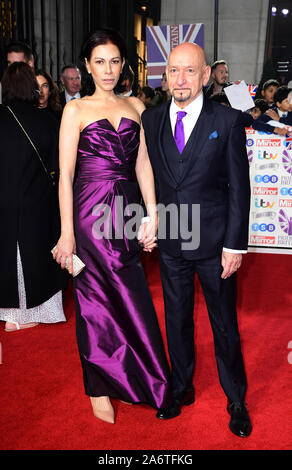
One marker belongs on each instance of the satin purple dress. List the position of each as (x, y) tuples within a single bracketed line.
[(118, 335)]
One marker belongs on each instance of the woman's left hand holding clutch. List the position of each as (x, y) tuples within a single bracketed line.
[(63, 252)]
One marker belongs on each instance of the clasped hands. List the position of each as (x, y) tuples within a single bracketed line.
[(147, 233)]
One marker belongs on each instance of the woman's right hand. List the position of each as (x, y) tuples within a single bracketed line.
[(63, 252)]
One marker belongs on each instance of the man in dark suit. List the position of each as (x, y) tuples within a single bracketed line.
[(71, 81), (197, 150)]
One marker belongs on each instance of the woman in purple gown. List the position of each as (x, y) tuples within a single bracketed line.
[(119, 340)]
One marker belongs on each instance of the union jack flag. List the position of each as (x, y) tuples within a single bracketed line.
[(160, 42), (252, 90), (288, 142)]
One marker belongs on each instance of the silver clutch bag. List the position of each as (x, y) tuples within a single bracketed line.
[(78, 265)]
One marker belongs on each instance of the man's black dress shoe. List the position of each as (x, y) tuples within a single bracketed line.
[(187, 397), (240, 422)]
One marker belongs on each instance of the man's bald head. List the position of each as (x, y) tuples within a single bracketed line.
[(187, 72), (188, 48)]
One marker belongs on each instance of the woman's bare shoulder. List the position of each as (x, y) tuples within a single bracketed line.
[(136, 103)]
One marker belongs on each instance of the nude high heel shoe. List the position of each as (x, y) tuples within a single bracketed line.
[(103, 409), (18, 326)]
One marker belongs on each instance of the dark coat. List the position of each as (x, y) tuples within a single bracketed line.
[(62, 99), (28, 206), (212, 171)]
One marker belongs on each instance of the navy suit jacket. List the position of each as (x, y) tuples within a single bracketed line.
[(212, 171)]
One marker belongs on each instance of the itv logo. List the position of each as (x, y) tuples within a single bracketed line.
[(264, 155), (261, 203)]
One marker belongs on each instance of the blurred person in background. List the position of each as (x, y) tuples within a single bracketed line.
[(146, 95), (260, 107), (18, 51), (164, 88), (31, 283), (49, 93), (269, 89), (281, 113), (71, 81), (221, 98), (125, 84), (219, 75)]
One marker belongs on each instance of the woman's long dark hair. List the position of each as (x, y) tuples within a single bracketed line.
[(19, 84), (54, 100), (98, 38)]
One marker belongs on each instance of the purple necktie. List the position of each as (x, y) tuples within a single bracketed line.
[(179, 135)]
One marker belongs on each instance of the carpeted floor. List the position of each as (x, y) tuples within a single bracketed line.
[(43, 405)]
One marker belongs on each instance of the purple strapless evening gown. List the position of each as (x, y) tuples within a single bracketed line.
[(119, 340)]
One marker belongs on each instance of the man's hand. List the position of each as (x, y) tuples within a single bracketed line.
[(230, 263), (147, 234)]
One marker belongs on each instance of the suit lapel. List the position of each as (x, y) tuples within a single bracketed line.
[(163, 122), (199, 136)]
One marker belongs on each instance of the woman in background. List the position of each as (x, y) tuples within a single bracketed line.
[(49, 93), (31, 283)]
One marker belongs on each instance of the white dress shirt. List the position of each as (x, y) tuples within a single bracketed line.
[(282, 113), (69, 97), (193, 111)]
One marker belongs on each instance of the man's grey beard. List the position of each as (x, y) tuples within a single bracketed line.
[(181, 99)]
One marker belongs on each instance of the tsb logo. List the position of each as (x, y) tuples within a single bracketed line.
[(286, 191), (263, 227), (266, 178)]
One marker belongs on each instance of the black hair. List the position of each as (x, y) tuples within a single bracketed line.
[(54, 99), (218, 62), (281, 94), (261, 104), (148, 92), (20, 47), (271, 82), (220, 97), (98, 38)]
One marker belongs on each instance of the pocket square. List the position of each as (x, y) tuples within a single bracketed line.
[(214, 135)]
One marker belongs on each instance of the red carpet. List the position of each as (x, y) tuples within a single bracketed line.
[(43, 405)]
